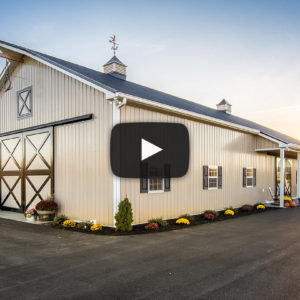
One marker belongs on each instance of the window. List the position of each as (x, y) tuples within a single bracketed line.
[(156, 180), (24, 103), (212, 177), (249, 177)]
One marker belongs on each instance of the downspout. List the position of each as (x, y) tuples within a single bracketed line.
[(116, 119)]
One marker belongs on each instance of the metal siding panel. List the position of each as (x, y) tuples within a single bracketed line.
[(210, 145), (83, 179)]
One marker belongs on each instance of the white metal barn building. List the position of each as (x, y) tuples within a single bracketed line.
[(55, 125)]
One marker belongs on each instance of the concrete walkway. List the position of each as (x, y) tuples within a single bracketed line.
[(9, 215), (254, 257)]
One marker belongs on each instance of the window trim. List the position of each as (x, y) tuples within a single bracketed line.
[(20, 117), (217, 177), (249, 186), (157, 191)]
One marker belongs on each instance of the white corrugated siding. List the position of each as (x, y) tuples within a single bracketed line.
[(210, 145), (83, 179), (262, 143)]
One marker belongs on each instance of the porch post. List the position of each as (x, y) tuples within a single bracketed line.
[(298, 175), (282, 171)]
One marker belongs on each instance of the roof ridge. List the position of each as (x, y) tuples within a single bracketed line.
[(114, 84)]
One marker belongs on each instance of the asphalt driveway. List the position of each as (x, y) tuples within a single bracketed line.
[(254, 257)]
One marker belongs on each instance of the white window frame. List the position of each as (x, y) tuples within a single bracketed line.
[(216, 187), (249, 186), (157, 191), (28, 100)]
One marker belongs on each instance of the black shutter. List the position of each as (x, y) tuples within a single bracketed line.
[(144, 178), (205, 177), (219, 177), (167, 177), (244, 177), (254, 177)]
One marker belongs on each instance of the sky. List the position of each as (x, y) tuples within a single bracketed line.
[(247, 52)]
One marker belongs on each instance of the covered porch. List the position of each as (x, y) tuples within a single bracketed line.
[(283, 179)]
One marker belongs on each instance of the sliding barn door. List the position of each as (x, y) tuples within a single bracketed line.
[(11, 166), (38, 170), (26, 173)]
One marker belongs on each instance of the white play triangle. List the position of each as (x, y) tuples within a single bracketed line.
[(149, 149)]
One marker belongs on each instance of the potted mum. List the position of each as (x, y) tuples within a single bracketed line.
[(31, 215), (46, 209)]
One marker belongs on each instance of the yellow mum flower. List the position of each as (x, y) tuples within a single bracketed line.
[(260, 206), (96, 227), (229, 212), (69, 223), (183, 221)]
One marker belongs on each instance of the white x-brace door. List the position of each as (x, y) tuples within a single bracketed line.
[(26, 169)]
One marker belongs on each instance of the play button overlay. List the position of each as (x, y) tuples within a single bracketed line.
[(136, 147), (149, 149)]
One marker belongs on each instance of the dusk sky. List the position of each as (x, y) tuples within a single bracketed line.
[(247, 52)]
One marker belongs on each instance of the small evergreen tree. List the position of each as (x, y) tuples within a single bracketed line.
[(124, 216)]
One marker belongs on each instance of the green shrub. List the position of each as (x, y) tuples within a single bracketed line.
[(160, 222), (188, 217), (85, 225), (213, 212), (60, 219), (124, 216)]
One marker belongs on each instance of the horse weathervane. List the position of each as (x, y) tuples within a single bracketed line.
[(115, 45)]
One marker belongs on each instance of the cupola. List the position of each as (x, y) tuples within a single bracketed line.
[(224, 106), (115, 68)]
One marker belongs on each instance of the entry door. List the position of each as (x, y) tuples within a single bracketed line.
[(26, 173)]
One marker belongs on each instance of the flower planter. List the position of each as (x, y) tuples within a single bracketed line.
[(46, 215)]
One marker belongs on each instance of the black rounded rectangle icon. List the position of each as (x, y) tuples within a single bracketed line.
[(162, 145)]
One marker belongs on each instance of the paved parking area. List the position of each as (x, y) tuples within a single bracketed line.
[(254, 257)]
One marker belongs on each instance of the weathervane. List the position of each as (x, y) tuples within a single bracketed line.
[(115, 45)]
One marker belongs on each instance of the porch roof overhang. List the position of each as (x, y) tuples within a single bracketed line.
[(289, 152)]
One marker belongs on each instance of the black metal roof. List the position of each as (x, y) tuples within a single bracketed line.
[(114, 84)]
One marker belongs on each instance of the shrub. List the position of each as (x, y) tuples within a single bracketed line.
[(209, 216), (160, 222), (84, 225), (183, 221), (229, 212), (48, 204), (124, 216), (60, 219), (69, 223), (188, 217), (212, 212), (152, 226), (246, 207), (96, 227)]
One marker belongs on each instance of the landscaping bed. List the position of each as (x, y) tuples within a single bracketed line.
[(171, 223)]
